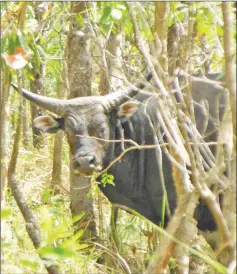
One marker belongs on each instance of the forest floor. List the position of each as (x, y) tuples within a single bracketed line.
[(135, 237)]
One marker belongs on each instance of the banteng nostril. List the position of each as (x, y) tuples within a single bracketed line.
[(84, 162), (77, 164), (91, 160)]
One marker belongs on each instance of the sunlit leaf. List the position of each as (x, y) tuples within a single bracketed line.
[(32, 24), (12, 44), (121, 7), (6, 212), (17, 60), (219, 30), (21, 40), (80, 21), (3, 44), (56, 252), (33, 264), (78, 217), (82, 246), (78, 235), (106, 14), (116, 14), (73, 242), (4, 244), (47, 223)]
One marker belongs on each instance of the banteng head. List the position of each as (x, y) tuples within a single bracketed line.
[(85, 121)]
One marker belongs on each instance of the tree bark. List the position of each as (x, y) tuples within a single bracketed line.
[(79, 79), (25, 121), (174, 46), (114, 81), (4, 132), (37, 87), (161, 10), (111, 80), (228, 254), (57, 160), (230, 72)]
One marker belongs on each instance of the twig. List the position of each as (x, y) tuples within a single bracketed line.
[(141, 47), (114, 255), (229, 61), (32, 226)]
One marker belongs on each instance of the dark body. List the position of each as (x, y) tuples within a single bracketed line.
[(87, 121), (137, 175)]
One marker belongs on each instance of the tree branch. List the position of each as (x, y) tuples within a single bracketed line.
[(32, 226)]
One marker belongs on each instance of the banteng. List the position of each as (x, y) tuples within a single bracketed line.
[(88, 120)]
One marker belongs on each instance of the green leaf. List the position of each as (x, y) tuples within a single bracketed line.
[(3, 44), (163, 208), (4, 244), (107, 179), (110, 176), (78, 217), (30, 74), (79, 21), (78, 235), (111, 182), (33, 264), (46, 222), (12, 44), (106, 14), (89, 194), (5, 213), (82, 246), (46, 194), (56, 252), (219, 30), (72, 242)]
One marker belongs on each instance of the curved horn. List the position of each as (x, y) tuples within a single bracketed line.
[(117, 98), (56, 106)]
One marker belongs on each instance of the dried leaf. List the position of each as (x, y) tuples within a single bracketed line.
[(17, 60)]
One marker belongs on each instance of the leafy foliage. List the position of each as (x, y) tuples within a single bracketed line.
[(36, 35)]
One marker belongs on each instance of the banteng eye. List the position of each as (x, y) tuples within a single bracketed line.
[(102, 132)]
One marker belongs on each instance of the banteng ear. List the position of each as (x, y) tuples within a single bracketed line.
[(127, 110), (48, 123)]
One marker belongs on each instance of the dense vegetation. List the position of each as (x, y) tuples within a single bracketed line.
[(65, 50)]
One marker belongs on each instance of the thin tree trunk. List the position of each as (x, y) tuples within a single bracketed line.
[(161, 11), (57, 160), (107, 84), (79, 78), (58, 141), (37, 87), (4, 132), (25, 120), (57, 151), (230, 72), (114, 62), (174, 47), (25, 124), (228, 254)]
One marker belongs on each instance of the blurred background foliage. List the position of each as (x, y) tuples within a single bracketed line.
[(33, 41)]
